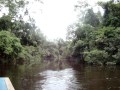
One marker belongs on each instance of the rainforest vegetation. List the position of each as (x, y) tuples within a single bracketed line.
[(22, 42), (94, 39)]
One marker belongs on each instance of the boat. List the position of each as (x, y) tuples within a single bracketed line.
[(5, 84)]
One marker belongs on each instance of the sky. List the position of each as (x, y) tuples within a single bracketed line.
[(54, 16)]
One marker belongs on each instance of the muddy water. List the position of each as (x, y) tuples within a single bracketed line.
[(63, 76)]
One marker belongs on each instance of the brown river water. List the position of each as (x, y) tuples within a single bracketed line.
[(63, 76)]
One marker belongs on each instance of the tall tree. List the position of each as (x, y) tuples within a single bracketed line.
[(111, 14), (91, 18)]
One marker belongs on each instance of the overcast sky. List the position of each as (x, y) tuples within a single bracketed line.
[(54, 16)]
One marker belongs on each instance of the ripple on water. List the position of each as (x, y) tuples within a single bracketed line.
[(58, 80)]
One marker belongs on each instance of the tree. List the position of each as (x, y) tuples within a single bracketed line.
[(96, 57), (16, 33), (13, 7), (112, 14), (10, 47), (91, 18), (96, 44)]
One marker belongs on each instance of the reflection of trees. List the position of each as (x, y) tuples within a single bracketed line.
[(92, 77)]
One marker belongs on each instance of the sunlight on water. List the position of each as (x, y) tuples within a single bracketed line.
[(58, 80)]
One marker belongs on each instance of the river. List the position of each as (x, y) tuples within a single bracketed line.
[(63, 76)]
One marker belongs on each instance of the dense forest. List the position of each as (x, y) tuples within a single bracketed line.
[(94, 39), (22, 42), (89, 57)]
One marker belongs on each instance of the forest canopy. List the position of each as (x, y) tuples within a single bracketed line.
[(16, 35), (96, 39)]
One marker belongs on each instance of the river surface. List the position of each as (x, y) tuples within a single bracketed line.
[(63, 76)]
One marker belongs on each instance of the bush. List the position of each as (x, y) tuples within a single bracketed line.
[(10, 46), (96, 57)]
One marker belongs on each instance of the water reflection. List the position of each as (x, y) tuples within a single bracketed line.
[(58, 80), (65, 76)]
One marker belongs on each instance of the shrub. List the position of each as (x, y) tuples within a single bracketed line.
[(10, 46), (96, 56)]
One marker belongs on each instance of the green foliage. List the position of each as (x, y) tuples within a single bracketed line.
[(79, 47), (83, 33), (96, 57), (13, 21), (5, 23), (18, 37), (10, 46), (13, 6), (91, 18), (28, 33), (55, 50), (32, 55), (112, 14), (96, 44)]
